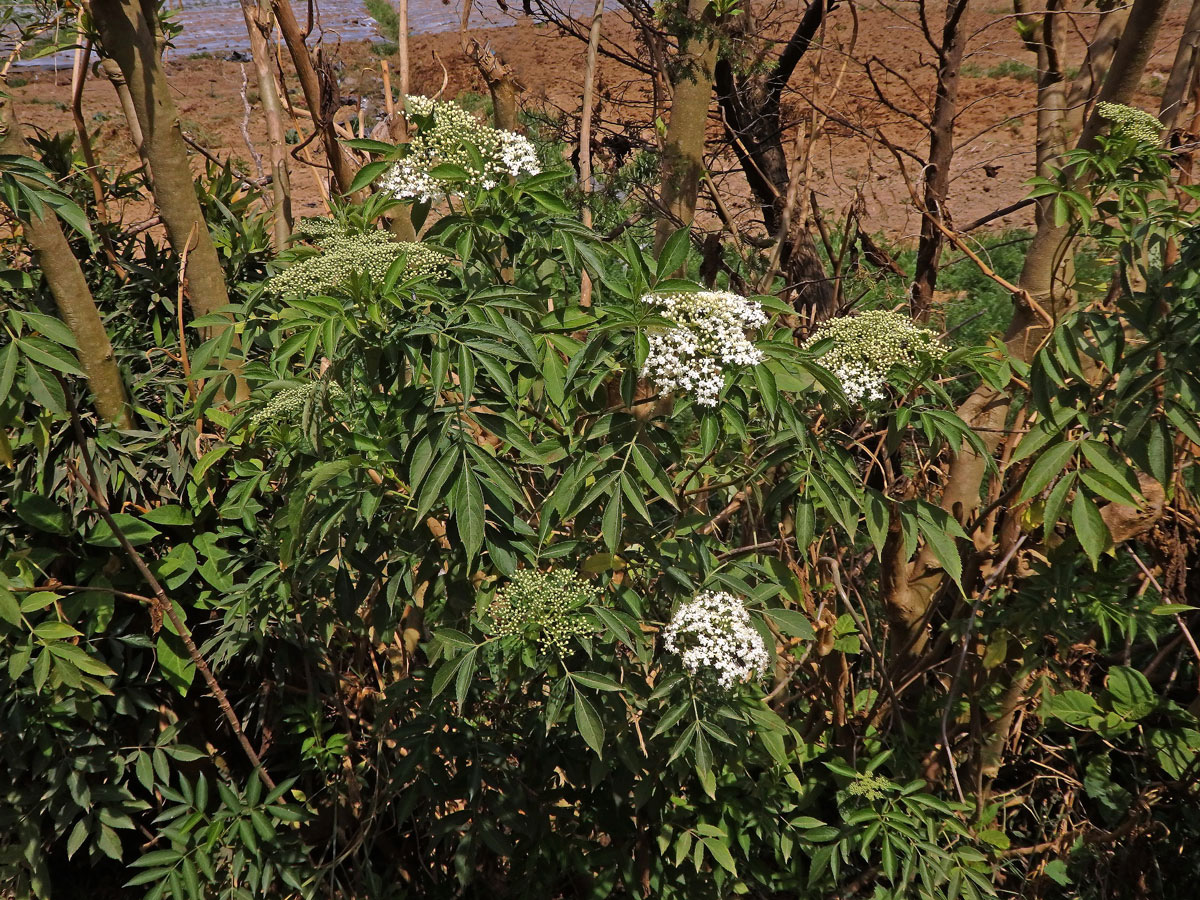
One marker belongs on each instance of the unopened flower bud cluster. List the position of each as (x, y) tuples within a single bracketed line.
[(868, 786), (341, 254), (547, 605), (709, 333), (504, 153), (1131, 122), (287, 404), (867, 346), (713, 636), (318, 227)]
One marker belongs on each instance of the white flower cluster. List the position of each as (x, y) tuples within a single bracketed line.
[(710, 332), (517, 155), (867, 346), (445, 141), (713, 636), (418, 105), (859, 382), (409, 179)]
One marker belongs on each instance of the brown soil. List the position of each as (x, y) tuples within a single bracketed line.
[(995, 129)]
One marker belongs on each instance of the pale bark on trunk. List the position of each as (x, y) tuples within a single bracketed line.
[(1182, 70), (319, 87), (683, 154), (113, 73), (1087, 84), (400, 224), (129, 38), (941, 154), (1052, 136), (259, 25), (402, 50), (585, 135), (502, 83), (505, 91), (78, 76), (1062, 106), (909, 589), (76, 307), (1048, 248)]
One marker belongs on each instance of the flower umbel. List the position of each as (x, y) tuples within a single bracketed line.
[(714, 638), (288, 402), (341, 253), (709, 333), (867, 346), (1129, 121), (549, 605), (868, 786), (502, 153)]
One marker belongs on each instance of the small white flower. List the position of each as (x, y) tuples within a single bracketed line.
[(859, 382), (409, 179), (517, 155), (713, 636), (418, 105), (710, 332)]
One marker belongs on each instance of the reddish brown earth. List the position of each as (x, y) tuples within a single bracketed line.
[(994, 135)]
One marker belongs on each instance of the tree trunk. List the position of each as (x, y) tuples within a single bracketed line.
[(128, 37), (752, 124), (1062, 107), (585, 135), (683, 154), (502, 84), (751, 113), (810, 289), (1182, 70), (113, 73), (320, 93), (909, 589), (1048, 248), (76, 306), (941, 154), (1099, 57), (402, 50), (1052, 135), (750, 110), (259, 25)]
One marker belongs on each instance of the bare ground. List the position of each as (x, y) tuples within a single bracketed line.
[(994, 130)]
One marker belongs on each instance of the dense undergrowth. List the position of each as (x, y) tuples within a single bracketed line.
[(430, 563)]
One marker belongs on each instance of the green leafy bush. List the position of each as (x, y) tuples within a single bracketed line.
[(499, 617)]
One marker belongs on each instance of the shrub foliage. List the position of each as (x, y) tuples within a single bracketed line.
[(425, 574)]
